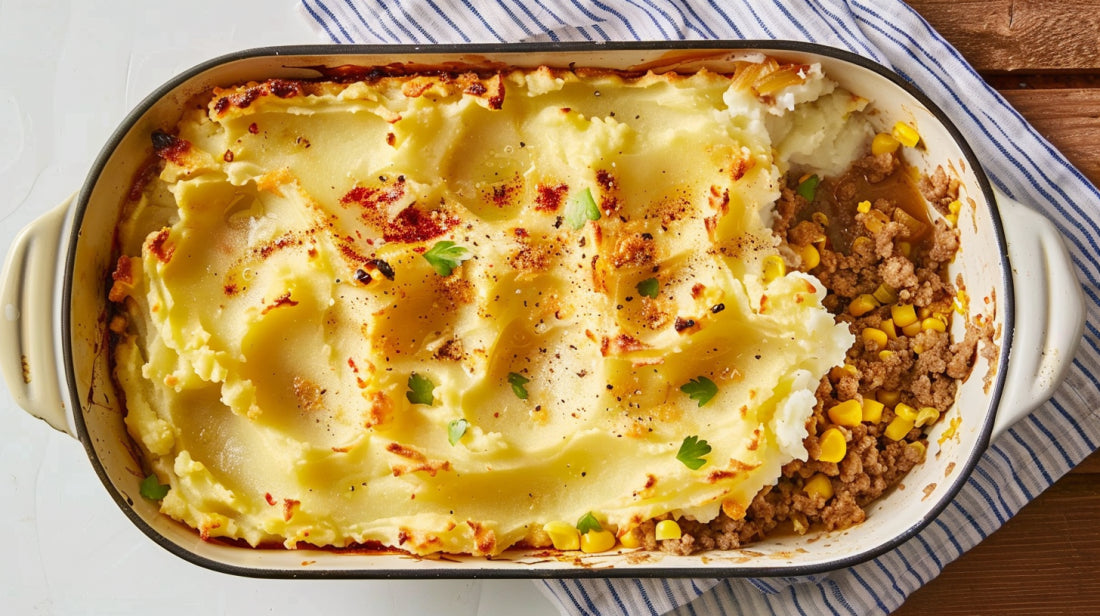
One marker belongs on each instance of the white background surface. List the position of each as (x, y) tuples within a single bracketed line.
[(69, 73)]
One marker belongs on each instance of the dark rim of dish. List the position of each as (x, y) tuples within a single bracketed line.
[(466, 570)]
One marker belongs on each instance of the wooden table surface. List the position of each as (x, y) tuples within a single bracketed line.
[(1044, 56)]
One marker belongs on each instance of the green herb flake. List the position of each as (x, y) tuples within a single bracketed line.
[(648, 288), (517, 381), (152, 488), (456, 429), (588, 522), (701, 389), (581, 209), (445, 256), (808, 188), (692, 451), (420, 390)]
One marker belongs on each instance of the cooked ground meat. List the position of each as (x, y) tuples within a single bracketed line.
[(899, 258)]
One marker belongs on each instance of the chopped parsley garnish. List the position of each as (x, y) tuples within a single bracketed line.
[(445, 256), (420, 389), (808, 187), (581, 209), (648, 288), (701, 389), (517, 381), (588, 522), (152, 488), (692, 451), (456, 429)]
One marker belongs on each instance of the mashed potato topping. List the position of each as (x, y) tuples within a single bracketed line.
[(436, 311)]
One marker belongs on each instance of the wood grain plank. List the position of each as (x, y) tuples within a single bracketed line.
[(1019, 35), (1043, 561), (1069, 119)]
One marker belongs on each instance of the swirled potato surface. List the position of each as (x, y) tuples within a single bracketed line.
[(436, 311)]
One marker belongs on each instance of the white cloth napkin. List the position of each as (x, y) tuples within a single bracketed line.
[(1018, 466)]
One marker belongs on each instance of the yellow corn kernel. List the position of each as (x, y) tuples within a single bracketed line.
[(872, 410), (952, 219), (850, 369), (933, 323), (888, 327), (862, 244), (955, 206), (906, 249), (875, 220), (912, 329), (903, 314), (811, 258), (905, 134), (799, 523), (914, 227), (885, 355), (733, 509), (905, 411), (898, 428), (597, 541), (774, 268), (820, 218), (927, 415), (819, 485), (884, 143), (924, 312), (668, 529), (848, 413), (863, 207), (632, 539), (862, 304), (919, 448), (889, 398), (876, 337), (885, 294), (962, 302), (833, 446), (564, 535)]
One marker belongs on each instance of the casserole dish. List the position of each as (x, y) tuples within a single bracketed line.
[(1033, 348)]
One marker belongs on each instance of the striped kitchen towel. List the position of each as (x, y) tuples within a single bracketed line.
[(1019, 465)]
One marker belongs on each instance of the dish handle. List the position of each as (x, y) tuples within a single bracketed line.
[(1050, 311), (28, 356)]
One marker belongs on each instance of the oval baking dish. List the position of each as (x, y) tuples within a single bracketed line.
[(1012, 260)]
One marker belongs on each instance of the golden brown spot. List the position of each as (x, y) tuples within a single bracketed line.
[(549, 198), (485, 539), (123, 277), (378, 408), (720, 201), (290, 507), (451, 349), (735, 468), (282, 300), (455, 290), (530, 257), (754, 443), (635, 250), (308, 394), (422, 463), (620, 345), (159, 246), (204, 530), (273, 181)]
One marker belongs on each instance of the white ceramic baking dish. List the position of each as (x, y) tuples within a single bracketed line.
[(1013, 262)]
